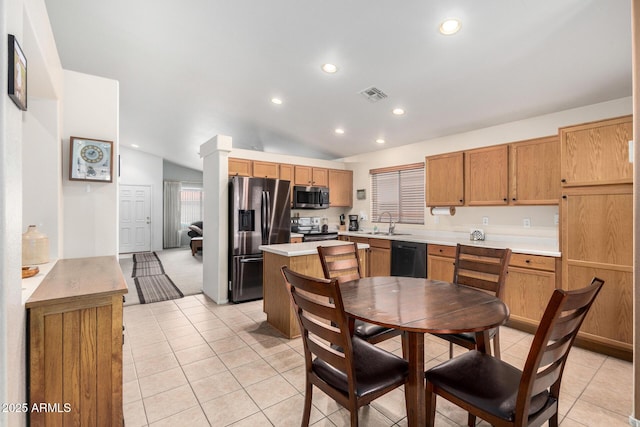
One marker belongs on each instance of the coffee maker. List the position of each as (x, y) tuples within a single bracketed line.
[(353, 223)]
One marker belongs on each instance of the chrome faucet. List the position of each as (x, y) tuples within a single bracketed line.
[(391, 224)]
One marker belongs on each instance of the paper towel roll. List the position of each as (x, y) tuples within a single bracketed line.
[(443, 211)]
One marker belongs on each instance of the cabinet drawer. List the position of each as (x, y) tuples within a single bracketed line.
[(380, 243), (533, 261), (442, 250)]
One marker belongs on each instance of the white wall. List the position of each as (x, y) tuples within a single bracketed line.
[(138, 168), (28, 21), (90, 225), (504, 219)]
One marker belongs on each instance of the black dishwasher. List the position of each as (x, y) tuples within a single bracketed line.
[(408, 259)]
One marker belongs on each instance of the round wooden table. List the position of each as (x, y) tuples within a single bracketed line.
[(419, 306)]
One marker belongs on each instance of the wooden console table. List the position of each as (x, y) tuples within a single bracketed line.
[(75, 337)]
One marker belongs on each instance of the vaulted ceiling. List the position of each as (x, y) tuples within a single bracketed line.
[(192, 69)]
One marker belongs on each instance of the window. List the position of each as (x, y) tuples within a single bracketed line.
[(191, 200), (400, 191)]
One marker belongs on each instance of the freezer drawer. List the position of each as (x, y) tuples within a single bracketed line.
[(246, 283)]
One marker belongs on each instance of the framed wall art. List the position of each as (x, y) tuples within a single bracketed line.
[(17, 74), (90, 160)]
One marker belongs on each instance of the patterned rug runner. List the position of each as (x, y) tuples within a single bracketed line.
[(151, 282)]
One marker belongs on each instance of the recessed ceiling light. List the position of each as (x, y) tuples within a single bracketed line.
[(135, 145), (398, 111), (380, 141), (276, 101), (450, 26), (329, 68), (339, 131)]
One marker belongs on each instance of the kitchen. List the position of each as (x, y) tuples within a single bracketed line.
[(542, 219)]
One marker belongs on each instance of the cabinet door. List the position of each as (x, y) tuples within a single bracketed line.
[(240, 167), (320, 177), (486, 176), (265, 169), (286, 172), (302, 175), (535, 172), (527, 293), (597, 240), (440, 268), (597, 153), (340, 188), (379, 261), (444, 177)]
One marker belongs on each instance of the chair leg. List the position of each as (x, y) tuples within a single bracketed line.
[(430, 399), (450, 350), (354, 415), (496, 344), (471, 420), (553, 421), (405, 345), (308, 397)]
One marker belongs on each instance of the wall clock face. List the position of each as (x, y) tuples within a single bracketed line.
[(91, 153)]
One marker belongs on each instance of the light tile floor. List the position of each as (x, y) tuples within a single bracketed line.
[(191, 362)]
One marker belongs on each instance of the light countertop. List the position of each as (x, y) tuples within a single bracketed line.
[(304, 248), (517, 244)]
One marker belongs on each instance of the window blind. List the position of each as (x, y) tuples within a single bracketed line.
[(191, 204), (399, 191)]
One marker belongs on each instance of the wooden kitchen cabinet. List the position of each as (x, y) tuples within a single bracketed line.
[(597, 153), (486, 175), (240, 167), (75, 338), (286, 173), (310, 176), (597, 240), (441, 262), (379, 257), (444, 180), (534, 177), (531, 280), (340, 188), (266, 169)]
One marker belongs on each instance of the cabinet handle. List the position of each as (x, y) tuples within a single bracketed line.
[(564, 196), (461, 200), (513, 199), (505, 199), (528, 261), (563, 180)]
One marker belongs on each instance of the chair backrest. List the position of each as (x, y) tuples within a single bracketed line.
[(340, 262), (551, 344), (323, 323), (482, 268)]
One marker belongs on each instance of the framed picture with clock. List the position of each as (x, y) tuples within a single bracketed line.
[(90, 160)]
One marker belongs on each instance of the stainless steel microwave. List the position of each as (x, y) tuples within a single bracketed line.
[(310, 197)]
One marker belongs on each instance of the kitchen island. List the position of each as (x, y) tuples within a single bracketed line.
[(302, 258)]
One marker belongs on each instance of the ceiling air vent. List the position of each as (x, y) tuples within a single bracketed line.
[(373, 94)]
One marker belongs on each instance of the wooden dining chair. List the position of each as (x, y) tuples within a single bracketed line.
[(350, 370), (485, 269), (503, 395), (343, 264)]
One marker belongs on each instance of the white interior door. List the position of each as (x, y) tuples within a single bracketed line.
[(135, 218)]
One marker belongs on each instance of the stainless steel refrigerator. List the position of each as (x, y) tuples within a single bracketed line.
[(259, 214)]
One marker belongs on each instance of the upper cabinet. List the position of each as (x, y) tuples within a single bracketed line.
[(240, 167), (286, 172), (534, 177), (310, 176), (486, 176), (266, 169), (444, 175), (596, 153), (340, 188)]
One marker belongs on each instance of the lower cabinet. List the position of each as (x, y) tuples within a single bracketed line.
[(75, 344), (379, 257), (440, 262)]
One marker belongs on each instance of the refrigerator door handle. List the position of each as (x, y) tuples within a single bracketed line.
[(248, 260), (266, 217)]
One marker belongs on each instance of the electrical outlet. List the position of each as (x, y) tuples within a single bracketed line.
[(485, 220), (556, 219), (526, 223)]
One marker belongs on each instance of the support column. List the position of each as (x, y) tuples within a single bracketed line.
[(215, 251)]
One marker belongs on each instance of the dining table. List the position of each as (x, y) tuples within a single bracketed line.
[(418, 306)]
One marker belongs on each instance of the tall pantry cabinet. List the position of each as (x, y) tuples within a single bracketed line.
[(597, 227)]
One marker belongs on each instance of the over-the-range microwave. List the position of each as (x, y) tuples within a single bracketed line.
[(310, 197)]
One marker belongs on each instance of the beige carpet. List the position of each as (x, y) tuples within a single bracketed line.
[(184, 270)]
